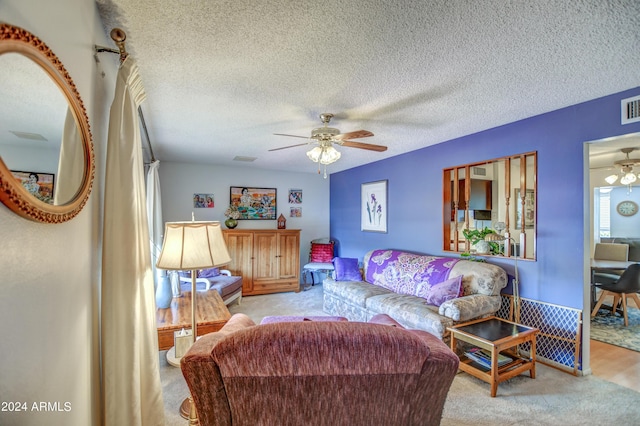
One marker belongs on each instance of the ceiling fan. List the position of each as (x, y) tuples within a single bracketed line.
[(627, 176), (325, 137)]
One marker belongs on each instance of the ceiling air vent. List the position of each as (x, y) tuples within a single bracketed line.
[(630, 110), (247, 159)]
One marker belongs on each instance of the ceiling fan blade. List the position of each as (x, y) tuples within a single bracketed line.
[(293, 136), (353, 135), (361, 145), (290, 146)]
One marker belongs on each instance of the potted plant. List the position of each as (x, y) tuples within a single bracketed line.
[(476, 238)]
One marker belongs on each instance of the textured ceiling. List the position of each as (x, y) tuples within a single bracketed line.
[(222, 77)]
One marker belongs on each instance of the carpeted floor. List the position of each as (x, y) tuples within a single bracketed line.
[(610, 329), (553, 398)]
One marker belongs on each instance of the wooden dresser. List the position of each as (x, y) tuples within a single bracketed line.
[(267, 259)]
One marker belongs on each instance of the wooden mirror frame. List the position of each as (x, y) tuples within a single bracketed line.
[(12, 194), (499, 196)]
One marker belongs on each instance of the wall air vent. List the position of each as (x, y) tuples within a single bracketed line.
[(479, 172), (630, 110)]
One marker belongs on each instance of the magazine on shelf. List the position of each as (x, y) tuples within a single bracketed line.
[(483, 357)]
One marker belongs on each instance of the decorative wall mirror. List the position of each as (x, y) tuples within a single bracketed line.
[(495, 196), (46, 153)]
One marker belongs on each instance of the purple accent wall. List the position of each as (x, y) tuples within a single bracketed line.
[(415, 193)]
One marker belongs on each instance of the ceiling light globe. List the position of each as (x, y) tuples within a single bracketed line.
[(330, 155), (314, 154), (611, 179), (628, 179)]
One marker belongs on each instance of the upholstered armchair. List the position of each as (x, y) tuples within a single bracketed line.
[(318, 373)]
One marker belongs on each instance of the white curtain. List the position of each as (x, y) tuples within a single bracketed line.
[(132, 393), (154, 214), (71, 165)]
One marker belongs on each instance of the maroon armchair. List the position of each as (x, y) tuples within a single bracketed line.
[(318, 373)]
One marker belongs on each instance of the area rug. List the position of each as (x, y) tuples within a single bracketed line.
[(552, 398), (610, 329)]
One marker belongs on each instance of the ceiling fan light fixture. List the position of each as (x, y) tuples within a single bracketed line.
[(330, 155), (611, 179)]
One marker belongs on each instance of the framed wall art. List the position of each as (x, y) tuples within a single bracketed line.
[(295, 212), (254, 203), (295, 196), (373, 206), (203, 201), (39, 184), (529, 208)]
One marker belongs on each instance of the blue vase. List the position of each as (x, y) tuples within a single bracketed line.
[(163, 292)]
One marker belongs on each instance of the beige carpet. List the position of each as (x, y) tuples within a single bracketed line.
[(553, 398)]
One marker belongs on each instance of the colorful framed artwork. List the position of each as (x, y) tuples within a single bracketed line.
[(373, 206), (39, 184), (295, 212), (254, 203), (529, 208), (203, 201), (295, 196)]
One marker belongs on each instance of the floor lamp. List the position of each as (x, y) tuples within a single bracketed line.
[(516, 282), (190, 246)]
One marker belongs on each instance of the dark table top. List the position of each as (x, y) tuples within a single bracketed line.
[(493, 329)]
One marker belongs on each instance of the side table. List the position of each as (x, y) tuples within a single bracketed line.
[(496, 336)]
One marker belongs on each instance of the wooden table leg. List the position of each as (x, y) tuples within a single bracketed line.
[(494, 372)]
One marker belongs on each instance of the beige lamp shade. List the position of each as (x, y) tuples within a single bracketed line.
[(193, 245)]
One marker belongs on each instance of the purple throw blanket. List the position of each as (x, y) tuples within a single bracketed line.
[(403, 272)]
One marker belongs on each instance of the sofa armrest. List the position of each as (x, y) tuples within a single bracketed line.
[(203, 375), (205, 281), (469, 307)]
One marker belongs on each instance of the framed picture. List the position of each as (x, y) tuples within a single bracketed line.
[(529, 208), (254, 203), (39, 184), (295, 196), (373, 206), (295, 212), (203, 201)]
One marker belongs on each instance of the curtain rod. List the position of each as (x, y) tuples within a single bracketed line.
[(119, 36)]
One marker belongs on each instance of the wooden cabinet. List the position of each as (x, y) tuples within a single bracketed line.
[(267, 259)]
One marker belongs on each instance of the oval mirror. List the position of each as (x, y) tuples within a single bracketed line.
[(46, 153)]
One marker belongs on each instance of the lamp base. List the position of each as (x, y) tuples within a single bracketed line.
[(188, 411)]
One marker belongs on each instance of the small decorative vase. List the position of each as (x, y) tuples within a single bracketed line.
[(163, 292), (176, 290), (231, 223), (483, 247)]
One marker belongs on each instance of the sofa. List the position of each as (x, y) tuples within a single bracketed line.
[(309, 372), (421, 292)]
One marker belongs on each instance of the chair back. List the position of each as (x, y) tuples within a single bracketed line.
[(611, 251), (629, 282), (321, 250), (320, 373)]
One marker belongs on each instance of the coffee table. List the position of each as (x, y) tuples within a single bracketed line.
[(211, 315), (496, 336)]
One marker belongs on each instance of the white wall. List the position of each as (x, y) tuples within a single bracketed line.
[(179, 181), (623, 226), (49, 290)]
